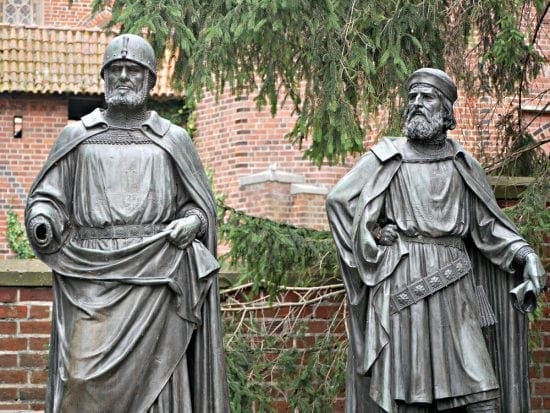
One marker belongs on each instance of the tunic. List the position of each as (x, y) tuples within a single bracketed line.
[(436, 344)]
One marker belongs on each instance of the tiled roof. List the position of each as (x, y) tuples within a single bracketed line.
[(57, 60)]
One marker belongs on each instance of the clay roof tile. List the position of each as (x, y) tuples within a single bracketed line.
[(60, 60)]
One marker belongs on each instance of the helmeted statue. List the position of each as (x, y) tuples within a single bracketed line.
[(428, 260), (123, 213)]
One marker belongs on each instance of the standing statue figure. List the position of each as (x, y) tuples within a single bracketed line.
[(426, 256), (124, 215)]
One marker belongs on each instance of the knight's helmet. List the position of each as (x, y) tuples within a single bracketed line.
[(133, 48)]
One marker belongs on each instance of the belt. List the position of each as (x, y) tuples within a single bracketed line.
[(430, 284), (449, 241), (119, 231)]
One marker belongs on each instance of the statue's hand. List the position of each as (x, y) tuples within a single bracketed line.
[(534, 271), (40, 231), (184, 231), (386, 235)]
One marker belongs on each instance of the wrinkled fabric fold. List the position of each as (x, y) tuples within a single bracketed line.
[(113, 312)]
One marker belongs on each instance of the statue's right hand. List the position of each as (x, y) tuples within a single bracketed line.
[(386, 235), (41, 231), (184, 231)]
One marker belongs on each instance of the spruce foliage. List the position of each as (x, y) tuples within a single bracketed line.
[(272, 254), (338, 61)]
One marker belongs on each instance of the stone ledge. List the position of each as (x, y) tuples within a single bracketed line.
[(24, 273), (509, 187), (271, 175), (308, 189), (536, 108), (34, 273)]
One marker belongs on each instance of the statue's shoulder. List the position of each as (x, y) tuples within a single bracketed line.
[(163, 127), (88, 122), (73, 130), (466, 157), (70, 133), (388, 148), (179, 133)]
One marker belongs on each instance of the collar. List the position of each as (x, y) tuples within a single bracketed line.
[(390, 147), (387, 148), (154, 122)]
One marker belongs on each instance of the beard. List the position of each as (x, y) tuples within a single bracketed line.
[(425, 129), (130, 100)]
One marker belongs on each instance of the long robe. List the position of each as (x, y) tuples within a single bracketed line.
[(136, 320), (433, 350)]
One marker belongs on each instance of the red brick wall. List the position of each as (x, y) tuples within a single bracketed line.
[(21, 159), (59, 13), (68, 14), (25, 322), (305, 211), (25, 317), (235, 140), (539, 371)]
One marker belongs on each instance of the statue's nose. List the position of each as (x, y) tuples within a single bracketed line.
[(124, 73)]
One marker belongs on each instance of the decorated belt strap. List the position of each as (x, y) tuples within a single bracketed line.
[(119, 231), (430, 284), (451, 241)]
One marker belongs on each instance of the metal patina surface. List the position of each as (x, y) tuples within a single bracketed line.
[(123, 214), (428, 260)]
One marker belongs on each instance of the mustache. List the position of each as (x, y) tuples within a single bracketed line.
[(414, 112), (124, 84)]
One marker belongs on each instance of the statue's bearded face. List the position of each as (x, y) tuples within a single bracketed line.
[(126, 84), (424, 116)]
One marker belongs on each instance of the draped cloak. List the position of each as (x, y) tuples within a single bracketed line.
[(354, 207), (136, 323)]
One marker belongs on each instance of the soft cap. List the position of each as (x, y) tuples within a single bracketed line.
[(436, 78)]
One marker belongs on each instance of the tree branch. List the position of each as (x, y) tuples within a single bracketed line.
[(515, 155)]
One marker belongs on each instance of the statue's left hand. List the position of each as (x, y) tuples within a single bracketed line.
[(184, 231), (534, 271)]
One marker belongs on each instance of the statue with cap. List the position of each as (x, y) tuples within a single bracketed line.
[(123, 213), (438, 280)]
